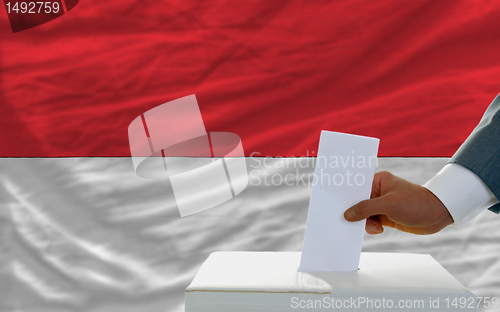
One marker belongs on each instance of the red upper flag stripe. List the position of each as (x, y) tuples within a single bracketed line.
[(418, 75)]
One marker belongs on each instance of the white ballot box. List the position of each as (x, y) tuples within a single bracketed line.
[(270, 281)]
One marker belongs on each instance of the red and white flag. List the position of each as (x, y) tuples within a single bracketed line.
[(81, 231)]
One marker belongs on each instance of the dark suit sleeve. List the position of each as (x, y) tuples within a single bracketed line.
[(480, 153)]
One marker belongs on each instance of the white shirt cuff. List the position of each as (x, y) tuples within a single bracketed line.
[(462, 192)]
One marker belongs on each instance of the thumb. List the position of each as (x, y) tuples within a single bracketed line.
[(366, 209)]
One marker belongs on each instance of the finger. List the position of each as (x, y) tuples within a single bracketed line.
[(367, 208), (373, 226), (386, 221), (379, 179), (376, 186), (415, 230)]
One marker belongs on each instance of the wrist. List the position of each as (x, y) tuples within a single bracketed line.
[(441, 215)]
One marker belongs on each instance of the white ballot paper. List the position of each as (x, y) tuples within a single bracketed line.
[(343, 176)]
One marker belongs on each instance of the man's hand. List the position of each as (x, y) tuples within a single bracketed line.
[(402, 205)]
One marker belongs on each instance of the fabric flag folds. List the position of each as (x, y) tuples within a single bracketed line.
[(81, 231)]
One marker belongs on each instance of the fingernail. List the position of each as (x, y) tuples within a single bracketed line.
[(373, 228)]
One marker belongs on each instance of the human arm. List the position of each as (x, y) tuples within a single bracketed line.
[(469, 184), (402, 205)]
